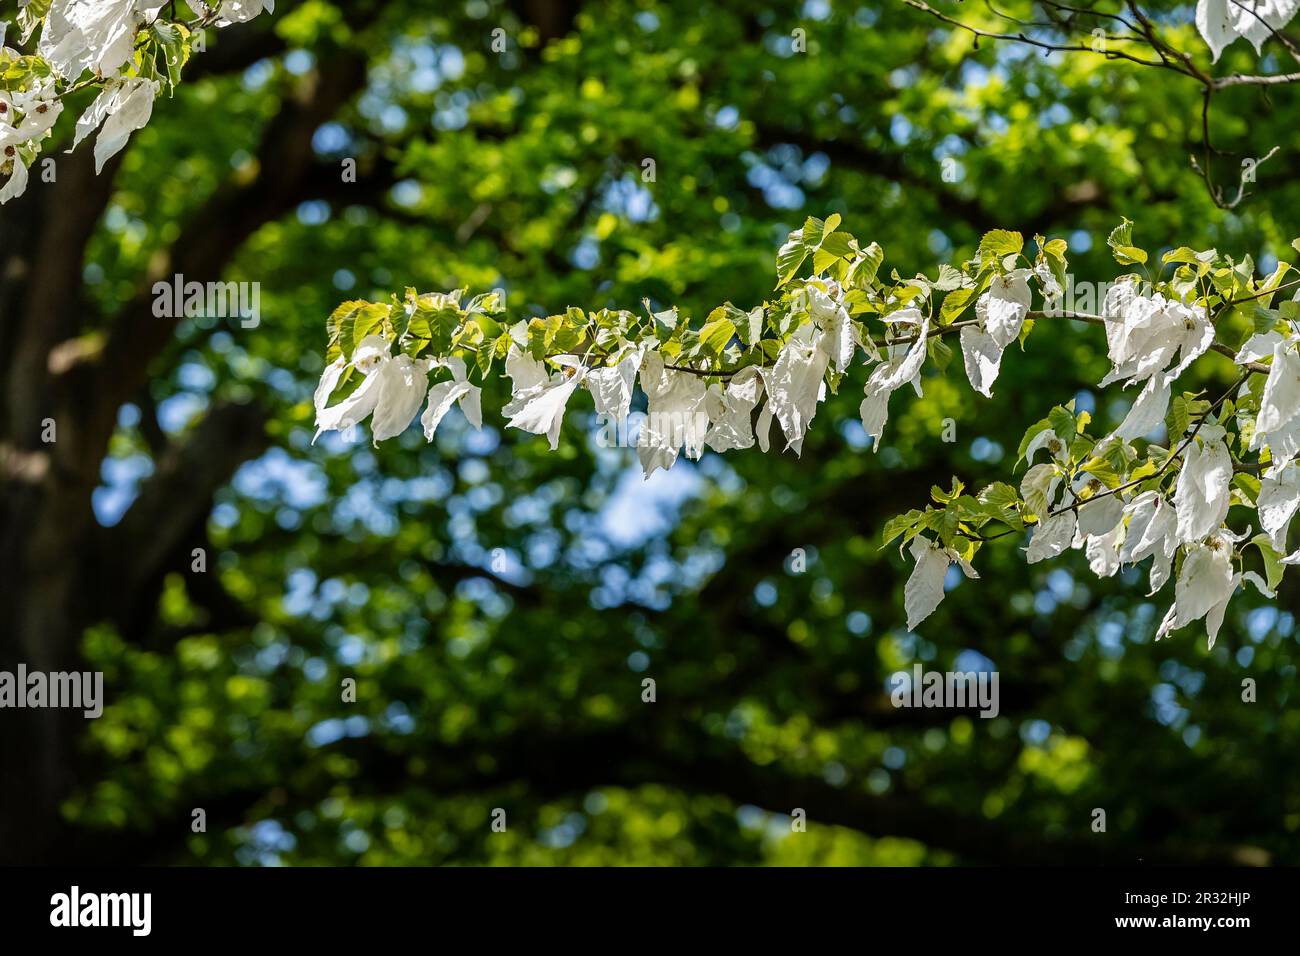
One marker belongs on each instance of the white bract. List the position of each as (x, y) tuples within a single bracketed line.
[(1278, 424), (1053, 536), (539, 407), (1278, 499), (839, 338), (1202, 493), (1204, 586), (1147, 411), (676, 418), (1102, 551), (924, 588), (402, 382), (444, 394), (1099, 531), (1046, 440), (1152, 533), (902, 366), (730, 411), (18, 177), (123, 106), (1223, 21), (27, 116), (391, 392), (240, 11), (612, 387), (982, 356), (1002, 309), (795, 383)]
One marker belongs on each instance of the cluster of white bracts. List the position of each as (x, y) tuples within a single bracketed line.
[(24, 117), (392, 391), (1151, 341), (96, 37), (683, 411)]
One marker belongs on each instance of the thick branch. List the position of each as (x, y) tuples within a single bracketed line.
[(167, 518)]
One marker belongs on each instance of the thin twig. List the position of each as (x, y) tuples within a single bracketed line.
[(1142, 31), (1076, 504)]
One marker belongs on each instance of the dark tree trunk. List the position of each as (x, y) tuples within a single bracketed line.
[(47, 558), (60, 571)]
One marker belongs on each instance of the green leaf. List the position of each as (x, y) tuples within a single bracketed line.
[(1031, 433), (835, 246), (817, 238), (1062, 421), (1121, 235), (998, 244), (353, 321), (790, 257), (716, 334), (955, 303), (1026, 328), (1103, 471), (999, 495), (1179, 417), (31, 16), (940, 352), (1121, 245), (174, 41), (866, 267), (1273, 566), (943, 497), (747, 326), (1053, 253), (904, 294), (949, 279), (1247, 486), (435, 318), (899, 524), (489, 303), (1200, 260), (1034, 487), (665, 322), (1057, 248)]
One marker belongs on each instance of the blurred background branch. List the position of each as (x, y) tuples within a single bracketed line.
[(1069, 29)]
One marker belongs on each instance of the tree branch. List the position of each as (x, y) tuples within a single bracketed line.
[(167, 519)]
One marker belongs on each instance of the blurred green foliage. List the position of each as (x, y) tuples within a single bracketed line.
[(522, 689)]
